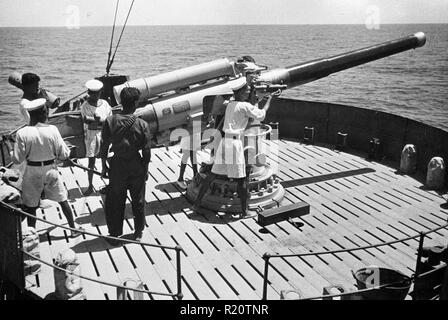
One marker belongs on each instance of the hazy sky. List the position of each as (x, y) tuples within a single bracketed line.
[(73, 13)]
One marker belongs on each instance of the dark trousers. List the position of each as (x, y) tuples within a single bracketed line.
[(125, 175)]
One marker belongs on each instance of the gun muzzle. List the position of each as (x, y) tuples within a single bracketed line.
[(299, 74)]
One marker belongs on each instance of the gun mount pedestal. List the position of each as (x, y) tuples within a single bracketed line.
[(264, 188)]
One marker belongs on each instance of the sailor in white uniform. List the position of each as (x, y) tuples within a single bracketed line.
[(40, 145), (229, 159), (94, 112)]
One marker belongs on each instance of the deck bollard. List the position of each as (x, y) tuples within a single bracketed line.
[(435, 177), (408, 162), (308, 135), (122, 294)]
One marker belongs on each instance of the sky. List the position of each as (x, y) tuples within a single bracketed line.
[(79, 13)]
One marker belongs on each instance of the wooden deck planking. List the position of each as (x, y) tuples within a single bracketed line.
[(197, 284), (358, 227), (410, 213), (227, 253), (270, 245), (235, 248), (208, 257), (312, 194), (394, 215), (333, 190), (347, 261), (93, 290), (339, 240), (340, 232), (216, 259), (205, 271), (126, 268), (235, 279), (104, 256), (314, 271)]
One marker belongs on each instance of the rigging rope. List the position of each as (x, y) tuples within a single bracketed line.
[(21, 212), (358, 248), (112, 37), (119, 39)]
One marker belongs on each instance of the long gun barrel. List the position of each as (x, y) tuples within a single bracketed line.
[(299, 74)]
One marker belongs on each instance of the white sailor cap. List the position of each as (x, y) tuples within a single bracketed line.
[(35, 104), (94, 85), (237, 84)]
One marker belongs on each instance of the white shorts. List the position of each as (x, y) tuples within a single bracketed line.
[(38, 179), (229, 160), (93, 141)]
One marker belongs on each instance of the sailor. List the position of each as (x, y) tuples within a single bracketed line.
[(128, 170), (230, 160), (32, 91), (189, 146), (94, 112), (40, 145)]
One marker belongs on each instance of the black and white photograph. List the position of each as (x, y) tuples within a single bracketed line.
[(224, 156)]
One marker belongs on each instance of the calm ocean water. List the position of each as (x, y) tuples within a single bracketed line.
[(413, 84)]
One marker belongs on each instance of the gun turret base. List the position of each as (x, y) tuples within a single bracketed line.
[(265, 191)]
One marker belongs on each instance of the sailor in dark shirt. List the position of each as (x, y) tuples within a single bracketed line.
[(128, 168)]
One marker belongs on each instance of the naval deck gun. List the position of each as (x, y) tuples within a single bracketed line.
[(177, 103)]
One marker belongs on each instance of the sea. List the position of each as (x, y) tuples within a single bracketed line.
[(412, 84)]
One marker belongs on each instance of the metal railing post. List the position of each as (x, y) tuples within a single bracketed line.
[(266, 258), (179, 273), (419, 253)]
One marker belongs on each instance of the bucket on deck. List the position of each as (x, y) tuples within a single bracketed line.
[(125, 294), (375, 276)]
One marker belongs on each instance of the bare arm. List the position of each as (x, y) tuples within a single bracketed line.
[(146, 149), (19, 152), (104, 147)]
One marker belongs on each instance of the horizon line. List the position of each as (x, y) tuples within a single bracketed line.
[(233, 24)]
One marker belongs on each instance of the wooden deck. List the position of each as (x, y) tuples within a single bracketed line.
[(353, 202)]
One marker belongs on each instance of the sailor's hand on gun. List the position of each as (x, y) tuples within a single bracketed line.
[(276, 93)]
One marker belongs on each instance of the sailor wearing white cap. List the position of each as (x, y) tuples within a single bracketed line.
[(40, 145), (94, 112), (230, 160)]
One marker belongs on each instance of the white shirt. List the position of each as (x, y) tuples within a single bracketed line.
[(102, 111), (41, 142), (23, 111), (238, 114)]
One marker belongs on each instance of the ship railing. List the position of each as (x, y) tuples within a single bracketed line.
[(421, 236), (5, 137), (178, 249)]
